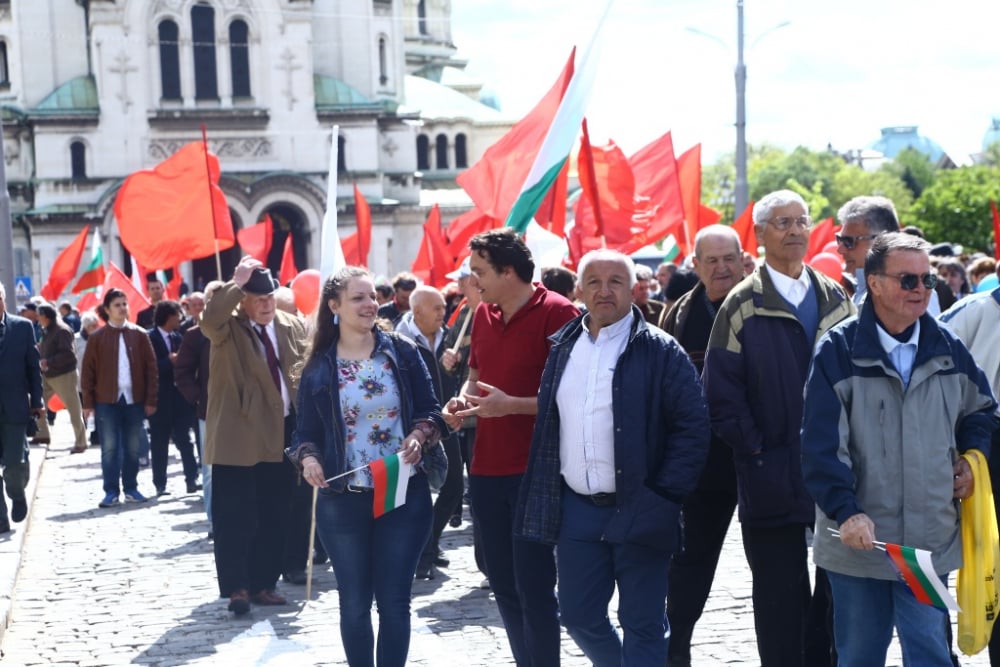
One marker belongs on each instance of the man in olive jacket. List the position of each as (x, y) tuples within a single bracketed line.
[(249, 421)]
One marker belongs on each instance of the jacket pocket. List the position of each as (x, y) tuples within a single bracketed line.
[(766, 485)]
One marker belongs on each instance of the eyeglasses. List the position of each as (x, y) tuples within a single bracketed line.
[(783, 223), (909, 281), (850, 242)]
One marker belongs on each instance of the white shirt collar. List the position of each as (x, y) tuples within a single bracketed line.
[(793, 290), (611, 331), (889, 343)]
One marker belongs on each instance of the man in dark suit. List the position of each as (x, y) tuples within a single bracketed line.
[(174, 416), (147, 316), (20, 402)]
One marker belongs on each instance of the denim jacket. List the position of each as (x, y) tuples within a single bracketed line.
[(321, 430)]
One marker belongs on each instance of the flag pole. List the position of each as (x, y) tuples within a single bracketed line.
[(461, 333), (345, 474), (211, 201), (312, 545)]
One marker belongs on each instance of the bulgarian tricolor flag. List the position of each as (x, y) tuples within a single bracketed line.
[(93, 276), (559, 140), (391, 476), (915, 569)]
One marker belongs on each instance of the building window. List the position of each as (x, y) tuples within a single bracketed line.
[(4, 69), (441, 152), (203, 34), (422, 16), (341, 158), (461, 154), (423, 152), (239, 56), (383, 76), (78, 160), (170, 68)]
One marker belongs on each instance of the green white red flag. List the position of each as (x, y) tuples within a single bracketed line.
[(64, 268), (93, 276), (391, 476), (915, 568)]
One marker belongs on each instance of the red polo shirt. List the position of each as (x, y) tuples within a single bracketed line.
[(511, 356)]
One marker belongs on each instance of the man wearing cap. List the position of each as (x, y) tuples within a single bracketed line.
[(249, 421)]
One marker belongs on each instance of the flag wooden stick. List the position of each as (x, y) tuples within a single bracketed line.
[(312, 545), (461, 333), (211, 201)]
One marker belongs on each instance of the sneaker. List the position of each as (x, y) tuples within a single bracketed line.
[(110, 500), (134, 496)]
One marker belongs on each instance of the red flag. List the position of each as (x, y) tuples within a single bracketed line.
[(65, 267), (363, 243), (464, 227), (87, 301), (495, 181), (689, 174), (551, 213), (174, 286), (116, 278), (996, 229), (256, 240), (433, 260), (744, 227), (165, 214), (55, 403), (820, 235), (288, 270)]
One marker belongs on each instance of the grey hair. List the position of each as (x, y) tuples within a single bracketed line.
[(604, 254), (891, 242), (716, 231), (88, 319), (878, 213), (643, 272), (762, 209)]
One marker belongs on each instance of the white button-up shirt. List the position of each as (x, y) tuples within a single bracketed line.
[(586, 419), (124, 368), (794, 290)]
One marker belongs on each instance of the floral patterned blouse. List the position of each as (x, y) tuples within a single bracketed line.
[(369, 400)]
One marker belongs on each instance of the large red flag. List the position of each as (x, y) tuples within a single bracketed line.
[(256, 240), (744, 227), (363, 214), (819, 237), (434, 260), (65, 267), (88, 300), (464, 227), (495, 181), (165, 214), (288, 269), (116, 278), (551, 213), (174, 286), (996, 229), (689, 174)]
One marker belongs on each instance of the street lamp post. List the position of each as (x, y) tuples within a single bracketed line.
[(741, 192), (6, 233)]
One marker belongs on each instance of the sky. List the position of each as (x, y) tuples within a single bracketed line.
[(836, 74)]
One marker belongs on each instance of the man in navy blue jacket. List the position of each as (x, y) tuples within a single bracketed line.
[(621, 437), (20, 402)]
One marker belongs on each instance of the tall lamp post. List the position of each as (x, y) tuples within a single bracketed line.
[(6, 233)]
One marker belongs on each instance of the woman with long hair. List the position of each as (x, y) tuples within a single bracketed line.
[(365, 394)]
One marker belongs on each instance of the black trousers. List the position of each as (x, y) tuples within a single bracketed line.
[(172, 420), (779, 564), (449, 498)]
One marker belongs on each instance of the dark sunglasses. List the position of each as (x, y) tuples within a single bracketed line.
[(909, 281), (850, 241)]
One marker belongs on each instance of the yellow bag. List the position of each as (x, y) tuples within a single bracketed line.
[(976, 588)]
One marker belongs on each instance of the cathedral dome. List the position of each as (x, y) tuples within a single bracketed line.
[(895, 139)]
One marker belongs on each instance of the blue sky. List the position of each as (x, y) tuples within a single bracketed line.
[(836, 74)]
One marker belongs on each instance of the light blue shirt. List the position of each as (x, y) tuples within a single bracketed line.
[(902, 355)]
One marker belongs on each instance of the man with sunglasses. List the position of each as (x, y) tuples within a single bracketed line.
[(892, 399)]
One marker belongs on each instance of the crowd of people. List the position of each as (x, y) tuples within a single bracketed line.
[(608, 423)]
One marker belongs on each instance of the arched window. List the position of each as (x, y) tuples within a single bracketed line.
[(239, 57), (423, 153), (170, 68), (422, 16), (203, 34), (4, 69), (461, 156), (78, 160), (441, 152), (341, 158), (383, 72)]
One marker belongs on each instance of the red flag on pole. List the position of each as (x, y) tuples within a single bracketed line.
[(363, 243), (116, 278), (461, 230), (689, 173), (164, 214), (434, 261), (256, 240), (744, 227), (288, 270), (996, 230), (65, 267)]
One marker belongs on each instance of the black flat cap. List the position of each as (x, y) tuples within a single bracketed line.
[(261, 282)]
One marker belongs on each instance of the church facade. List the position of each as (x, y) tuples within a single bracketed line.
[(94, 90)]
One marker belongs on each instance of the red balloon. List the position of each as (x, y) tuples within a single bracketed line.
[(830, 247), (829, 264), (306, 289)]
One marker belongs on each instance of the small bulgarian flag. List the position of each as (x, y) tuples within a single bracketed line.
[(915, 568), (391, 478), (559, 140), (93, 275)]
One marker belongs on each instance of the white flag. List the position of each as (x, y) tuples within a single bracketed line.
[(331, 254)]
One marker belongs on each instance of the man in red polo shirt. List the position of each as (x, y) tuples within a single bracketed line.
[(508, 350)]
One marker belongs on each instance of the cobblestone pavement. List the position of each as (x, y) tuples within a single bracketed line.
[(136, 585)]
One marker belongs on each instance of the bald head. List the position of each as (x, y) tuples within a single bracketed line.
[(428, 309)]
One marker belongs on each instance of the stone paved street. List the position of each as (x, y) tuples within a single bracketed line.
[(136, 585)]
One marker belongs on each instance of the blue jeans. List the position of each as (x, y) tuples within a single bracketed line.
[(589, 568), (375, 558), (522, 573), (120, 427), (864, 612)]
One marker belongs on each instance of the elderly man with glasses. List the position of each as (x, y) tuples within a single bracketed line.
[(755, 368), (892, 399)]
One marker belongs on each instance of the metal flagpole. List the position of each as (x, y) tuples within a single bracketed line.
[(211, 202)]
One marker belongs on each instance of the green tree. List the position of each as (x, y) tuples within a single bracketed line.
[(913, 168), (852, 181), (956, 207)]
